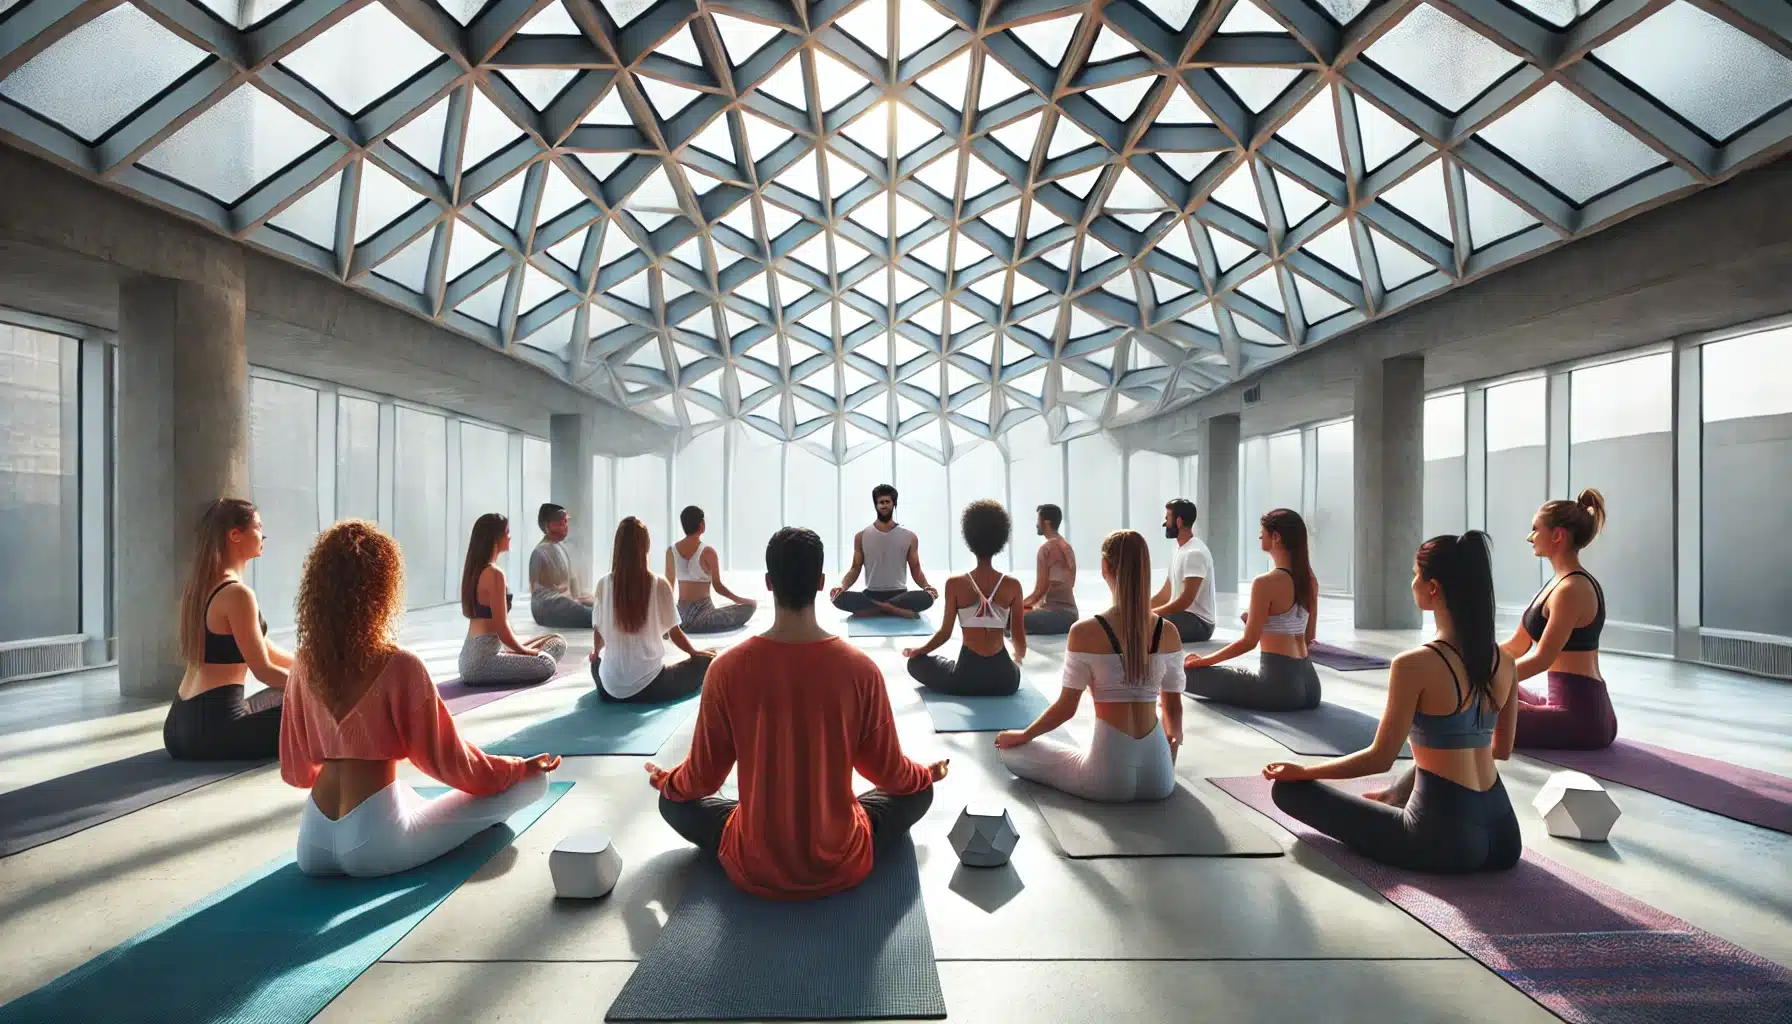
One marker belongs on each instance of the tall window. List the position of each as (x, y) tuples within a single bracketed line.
[(419, 515), (1517, 482), (283, 485), (1746, 486), (1620, 427), (357, 458), (1446, 447), (40, 554), (1333, 529)]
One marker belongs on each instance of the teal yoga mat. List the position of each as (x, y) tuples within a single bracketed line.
[(596, 726), (889, 625), (275, 946), (983, 714)]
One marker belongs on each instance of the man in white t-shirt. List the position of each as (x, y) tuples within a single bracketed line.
[(1186, 598), (555, 597)]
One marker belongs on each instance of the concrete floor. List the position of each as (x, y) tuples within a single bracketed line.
[(1048, 939)]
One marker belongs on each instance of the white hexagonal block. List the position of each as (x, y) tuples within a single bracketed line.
[(1575, 806), (585, 865), (984, 835)]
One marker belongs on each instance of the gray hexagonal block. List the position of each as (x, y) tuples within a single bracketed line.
[(984, 835), (585, 865), (1575, 806)]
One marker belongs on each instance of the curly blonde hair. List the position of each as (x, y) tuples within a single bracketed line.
[(351, 591)]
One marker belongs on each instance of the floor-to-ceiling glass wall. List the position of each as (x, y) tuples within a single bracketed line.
[(698, 478), (419, 508), (357, 458), (1332, 532), (755, 482), (1152, 481), (976, 474), (641, 492), (812, 496), (40, 555), (1746, 483), (1095, 496), (1035, 478), (1517, 432), (485, 487), (1446, 470), (283, 485), (922, 508)]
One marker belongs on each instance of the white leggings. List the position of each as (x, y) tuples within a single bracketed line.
[(1115, 769), (397, 829)]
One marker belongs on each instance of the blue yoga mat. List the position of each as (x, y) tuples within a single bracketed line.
[(596, 726), (983, 714), (889, 625), (863, 954), (275, 946)]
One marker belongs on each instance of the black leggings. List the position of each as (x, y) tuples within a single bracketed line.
[(972, 675), (1191, 627), (859, 602), (219, 725), (675, 682), (1280, 684), (1445, 827), (700, 821)]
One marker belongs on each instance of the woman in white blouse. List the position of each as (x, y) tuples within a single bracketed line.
[(1131, 661), (632, 615)]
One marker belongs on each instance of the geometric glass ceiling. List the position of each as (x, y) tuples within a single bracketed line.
[(923, 220)]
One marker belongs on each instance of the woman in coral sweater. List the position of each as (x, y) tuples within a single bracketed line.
[(357, 704)]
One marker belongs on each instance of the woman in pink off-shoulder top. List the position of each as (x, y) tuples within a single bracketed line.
[(357, 704)]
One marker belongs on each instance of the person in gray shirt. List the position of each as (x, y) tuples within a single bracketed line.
[(888, 554), (555, 597)]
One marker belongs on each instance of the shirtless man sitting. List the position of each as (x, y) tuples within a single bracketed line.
[(889, 554), (694, 568)]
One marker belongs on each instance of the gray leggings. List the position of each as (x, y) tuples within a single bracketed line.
[(1281, 683), (484, 661), (972, 675), (1191, 627), (557, 611), (704, 617), (1047, 622), (674, 682), (1443, 827)]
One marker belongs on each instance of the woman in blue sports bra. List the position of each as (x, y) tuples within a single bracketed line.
[(1454, 698), (222, 640), (985, 604), (1559, 634)]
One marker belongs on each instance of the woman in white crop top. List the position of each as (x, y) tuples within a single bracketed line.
[(1283, 612), (985, 604), (1131, 662)]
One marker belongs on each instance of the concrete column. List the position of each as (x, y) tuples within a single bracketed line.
[(573, 438), (1390, 489), (1216, 498), (183, 441)]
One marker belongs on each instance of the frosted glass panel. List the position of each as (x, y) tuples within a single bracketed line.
[(1621, 399), (922, 507), (812, 498), (537, 473), (39, 448), (1153, 480), (975, 475), (1332, 533), (1517, 483), (697, 479), (420, 508), (1035, 478), (857, 478), (1254, 500), (1446, 486), (1285, 471), (641, 492), (603, 502), (1620, 420), (1095, 491), (755, 488), (1747, 491), (283, 485), (357, 458), (485, 487)]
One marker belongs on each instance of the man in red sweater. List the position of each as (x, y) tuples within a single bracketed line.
[(800, 709)]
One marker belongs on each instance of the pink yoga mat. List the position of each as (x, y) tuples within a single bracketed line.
[(1583, 950), (1757, 797)]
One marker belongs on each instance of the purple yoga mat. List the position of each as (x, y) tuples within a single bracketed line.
[(1344, 660), (1757, 797), (460, 697), (1583, 950)]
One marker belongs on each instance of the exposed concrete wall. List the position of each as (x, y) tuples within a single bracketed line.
[(1216, 498), (1709, 261), (1388, 457)]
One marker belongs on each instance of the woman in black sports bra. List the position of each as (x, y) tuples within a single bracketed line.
[(1559, 634), (223, 639)]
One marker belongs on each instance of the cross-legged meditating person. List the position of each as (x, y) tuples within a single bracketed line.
[(889, 554), (697, 570), (1130, 661), (633, 615), (1051, 607), (1559, 634), (1186, 598), (1281, 620), (799, 710), (986, 603), (492, 655), (556, 599), (222, 640), (1454, 696), (357, 704)]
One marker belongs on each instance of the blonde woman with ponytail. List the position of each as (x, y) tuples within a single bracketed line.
[(1131, 662), (1559, 634), (223, 639)]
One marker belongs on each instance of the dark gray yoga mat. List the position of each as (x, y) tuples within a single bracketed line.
[(863, 954), (1190, 823), (62, 806), (1343, 659), (1329, 730)]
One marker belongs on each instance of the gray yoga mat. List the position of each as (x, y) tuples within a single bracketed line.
[(62, 806), (1190, 823), (1329, 730), (1343, 659), (723, 954)]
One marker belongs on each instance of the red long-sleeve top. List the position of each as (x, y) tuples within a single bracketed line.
[(799, 718), (400, 716)]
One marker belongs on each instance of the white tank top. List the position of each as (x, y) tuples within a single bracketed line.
[(984, 615), (886, 557), (690, 570)]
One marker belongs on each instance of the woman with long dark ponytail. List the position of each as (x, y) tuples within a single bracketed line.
[(1454, 698), (1283, 613), (492, 655)]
